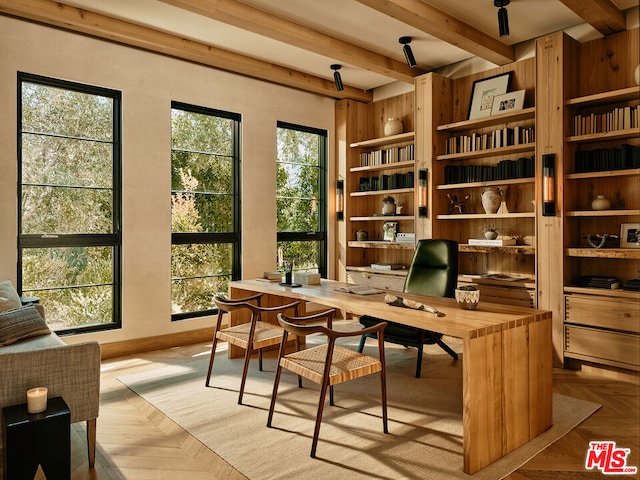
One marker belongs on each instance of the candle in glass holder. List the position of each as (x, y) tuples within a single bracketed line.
[(37, 400)]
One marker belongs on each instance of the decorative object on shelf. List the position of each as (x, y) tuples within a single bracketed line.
[(339, 199), (508, 102), (483, 92), (548, 185), (393, 126), (599, 240), (600, 203), (630, 235), (422, 192), (637, 74), (468, 297), (389, 231), (491, 199), (336, 76), (362, 235), (388, 205), (455, 205), (490, 231), (37, 399)]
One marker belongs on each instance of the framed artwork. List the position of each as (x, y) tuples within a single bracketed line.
[(389, 231), (484, 90), (630, 235), (508, 102)]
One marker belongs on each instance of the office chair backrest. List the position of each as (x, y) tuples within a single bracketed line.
[(434, 269)]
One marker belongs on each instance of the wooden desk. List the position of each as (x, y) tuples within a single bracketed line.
[(506, 360)]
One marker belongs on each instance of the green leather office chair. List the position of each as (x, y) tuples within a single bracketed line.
[(434, 272)]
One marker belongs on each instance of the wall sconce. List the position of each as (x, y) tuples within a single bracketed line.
[(336, 76), (422, 192), (503, 17), (548, 185), (408, 53), (339, 199)]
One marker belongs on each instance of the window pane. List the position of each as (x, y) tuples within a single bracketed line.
[(305, 255), (297, 215), (63, 161), (193, 212), (198, 272), (58, 111), (66, 210), (201, 133), (74, 283)]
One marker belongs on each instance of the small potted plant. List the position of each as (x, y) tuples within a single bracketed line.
[(490, 231), (468, 296)]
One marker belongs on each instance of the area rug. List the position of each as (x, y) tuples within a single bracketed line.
[(425, 419)]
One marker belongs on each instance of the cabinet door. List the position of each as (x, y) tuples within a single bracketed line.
[(603, 312)]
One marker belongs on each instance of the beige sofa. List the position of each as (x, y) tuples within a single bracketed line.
[(68, 371)]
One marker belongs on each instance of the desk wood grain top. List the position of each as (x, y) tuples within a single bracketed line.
[(454, 321)]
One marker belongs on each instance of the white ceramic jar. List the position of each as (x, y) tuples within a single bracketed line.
[(393, 126), (600, 203)]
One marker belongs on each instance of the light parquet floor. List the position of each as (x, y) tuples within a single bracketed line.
[(136, 441)]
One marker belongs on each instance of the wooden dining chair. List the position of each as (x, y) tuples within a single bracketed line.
[(253, 335), (328, 364)]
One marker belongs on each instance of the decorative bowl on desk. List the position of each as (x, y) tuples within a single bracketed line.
[(468, 297)]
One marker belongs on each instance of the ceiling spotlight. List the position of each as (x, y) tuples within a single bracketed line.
[(503, 19), (408, 54), (336, 76)]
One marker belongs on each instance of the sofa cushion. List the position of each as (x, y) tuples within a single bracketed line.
[(20, 323), (9, 298)]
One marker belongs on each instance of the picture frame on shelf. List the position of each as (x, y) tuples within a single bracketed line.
[(630, 235), (508, 102), (484, 90), (389, 231)]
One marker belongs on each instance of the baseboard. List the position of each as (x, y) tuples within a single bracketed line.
[(161, 342)]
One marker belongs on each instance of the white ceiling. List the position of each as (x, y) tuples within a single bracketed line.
[(350, 21)]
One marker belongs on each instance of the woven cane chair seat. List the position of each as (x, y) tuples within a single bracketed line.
[(265, 335)]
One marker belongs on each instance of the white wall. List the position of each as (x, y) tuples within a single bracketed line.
[(149, 82)]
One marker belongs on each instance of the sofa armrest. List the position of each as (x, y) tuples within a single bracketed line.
[(68, 371)]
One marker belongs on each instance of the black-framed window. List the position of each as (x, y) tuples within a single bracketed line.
[(205, 207), (69, 187), (302, 197)]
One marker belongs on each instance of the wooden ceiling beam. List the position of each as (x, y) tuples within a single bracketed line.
[(82, 21), (258, 21), (602, 15), (435, 22)]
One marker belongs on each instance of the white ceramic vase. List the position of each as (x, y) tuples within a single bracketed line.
[(637, 74), (491, 199), (393, 126), (600, 203)]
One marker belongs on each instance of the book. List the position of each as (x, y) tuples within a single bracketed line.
[(498, 242), (598, 281), (272, 275), (359, 290), (387, 266), (270, 280)]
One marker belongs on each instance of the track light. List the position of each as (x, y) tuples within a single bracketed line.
[(503, 18), (408, 54), (336, 76)]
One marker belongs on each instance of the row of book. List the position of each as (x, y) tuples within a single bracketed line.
[(502, 137), (387, 155), (602, 159), (387, 182), (610, 283), (620, 118), (504, 170)]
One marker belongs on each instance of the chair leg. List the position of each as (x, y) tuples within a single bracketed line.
[(91, 441), (245, 370), (419, 362), (260, 359), (331, 402), (446, 348), (383, 386), (276, 382), (363, 339), (213, 354), (316, 431)]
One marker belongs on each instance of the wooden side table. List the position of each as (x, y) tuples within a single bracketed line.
[(32, 439)]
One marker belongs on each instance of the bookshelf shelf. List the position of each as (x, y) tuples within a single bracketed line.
[(507, 250), (505, 118), (381, 192), (628, 172), (384, 166), (605, 98), (615, 292), (602, 213), (489, 152), (616, 253), (493, 183), (612, 135), (381, 244), (384, 141), (471, 216)]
